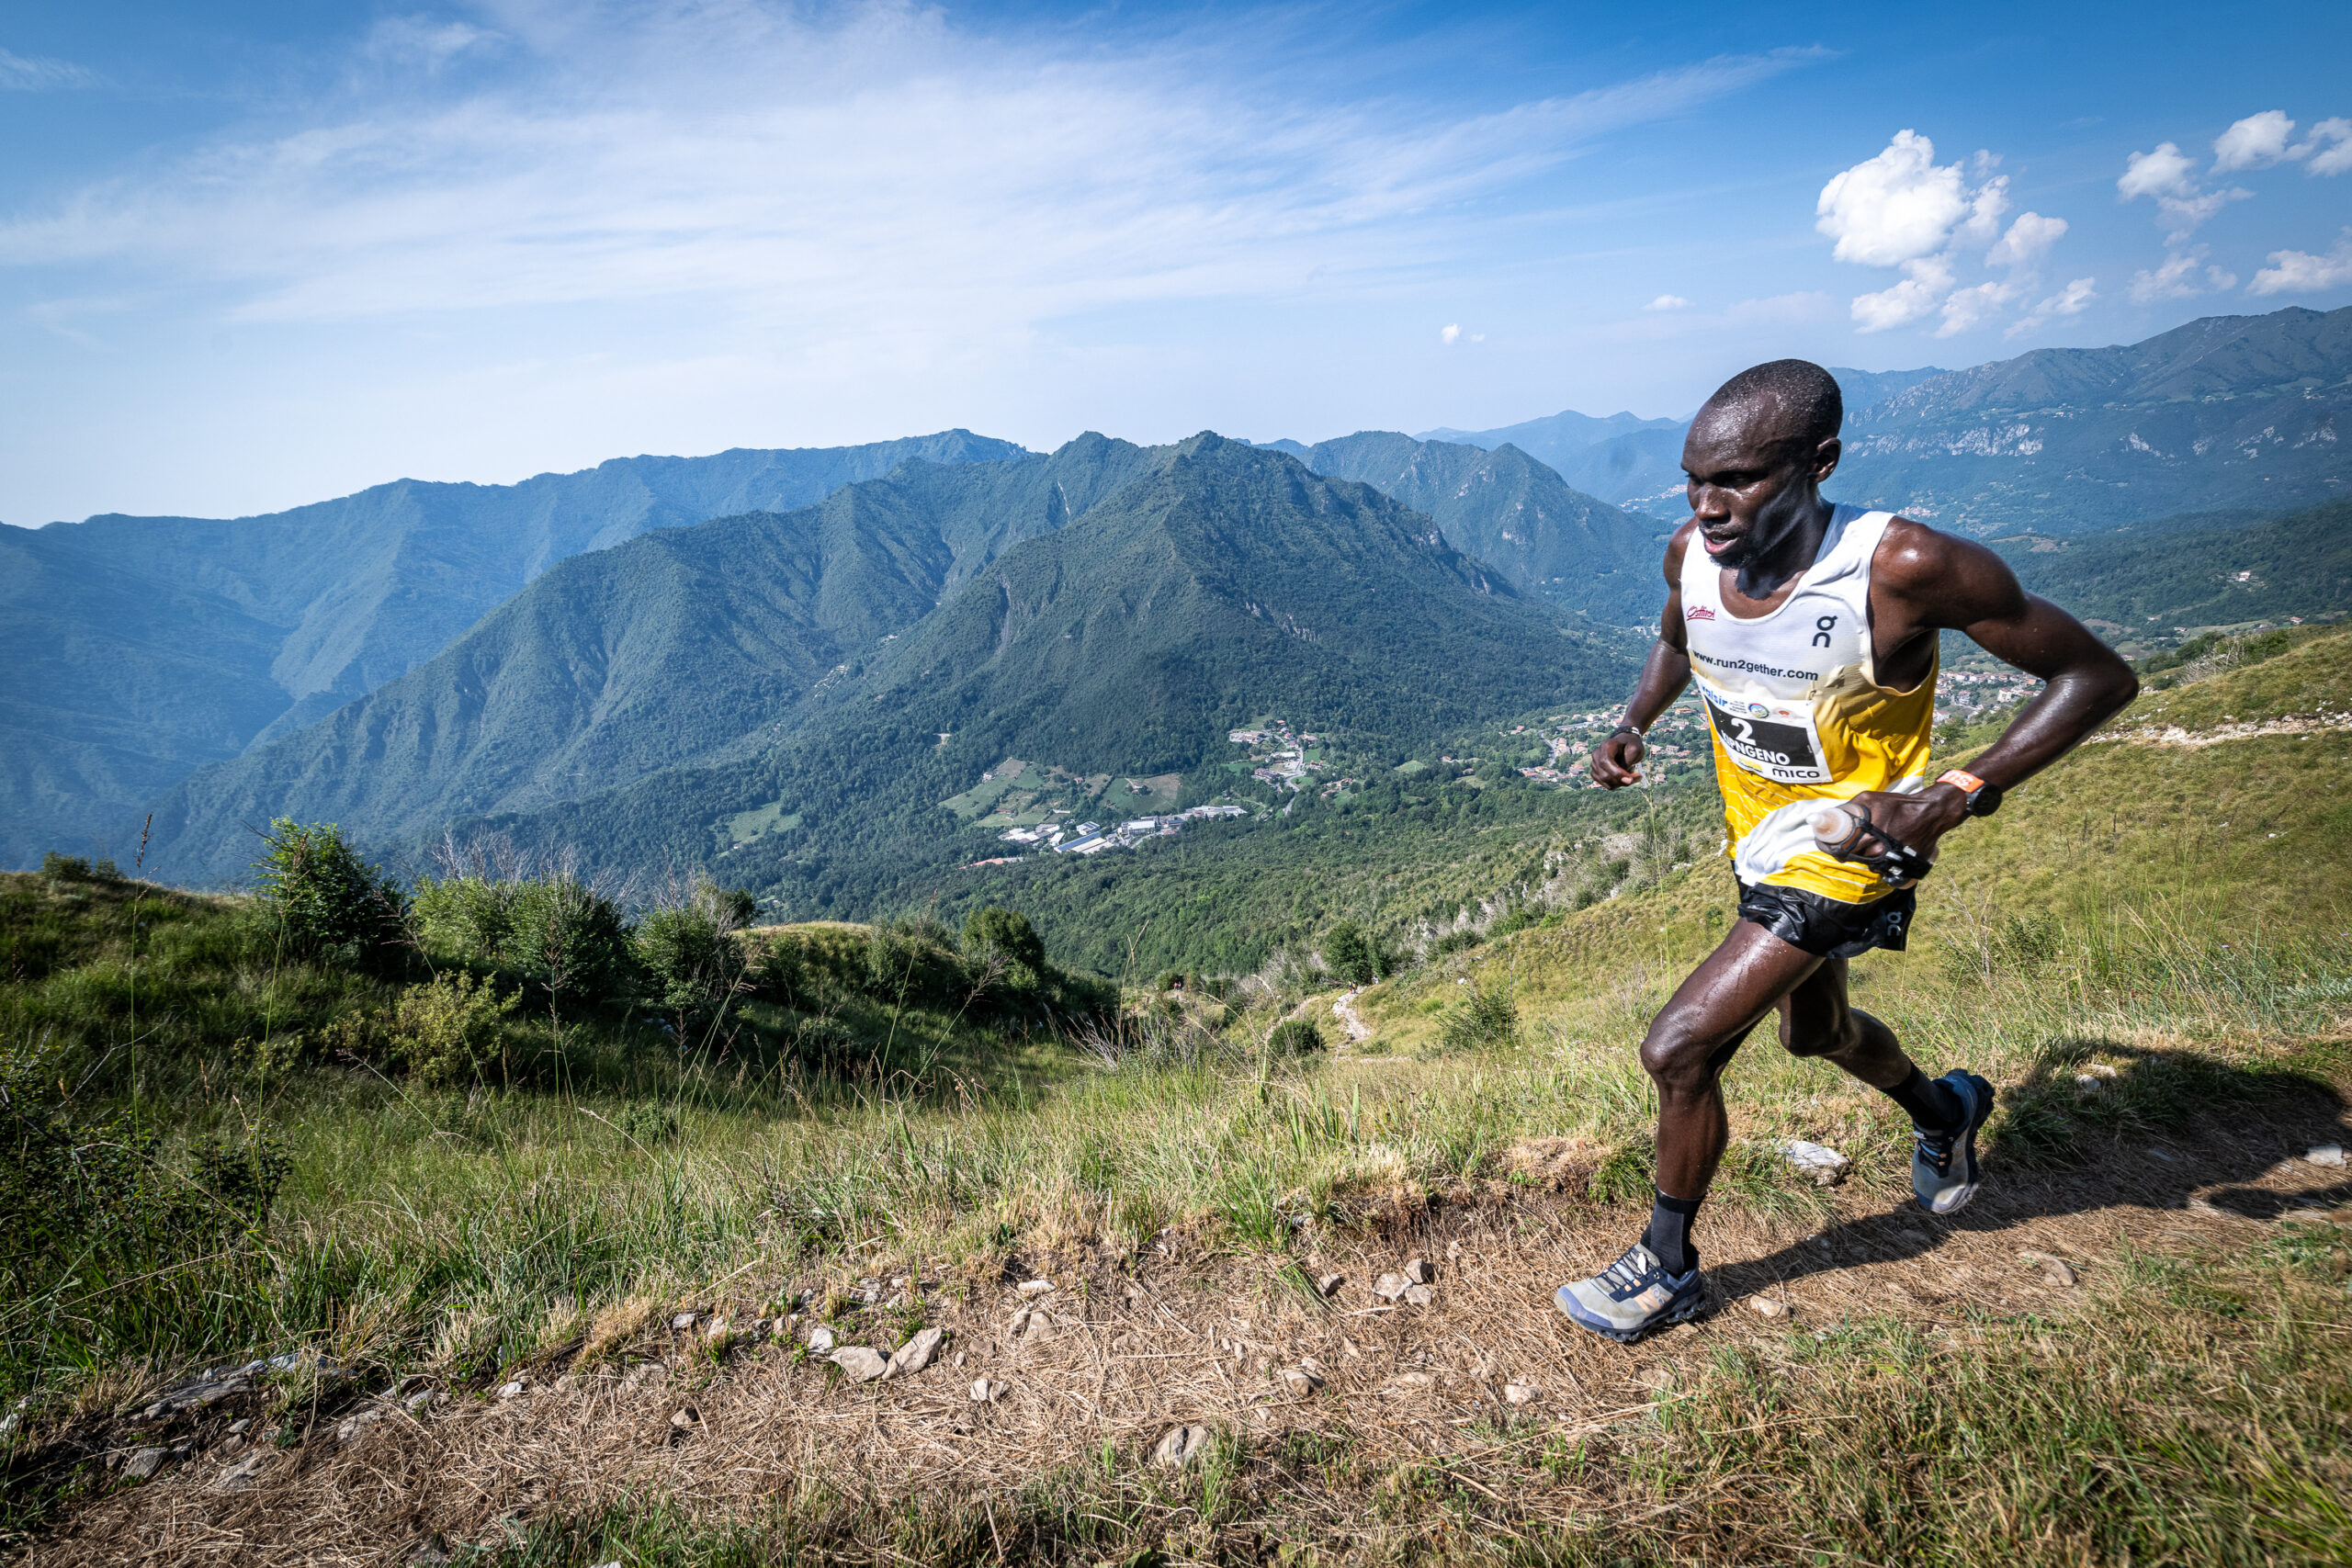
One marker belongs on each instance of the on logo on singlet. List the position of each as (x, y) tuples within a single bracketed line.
[(1784, 749)]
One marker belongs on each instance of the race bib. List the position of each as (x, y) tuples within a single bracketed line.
[(1773, 740)]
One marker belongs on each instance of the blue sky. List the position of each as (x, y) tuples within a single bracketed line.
[(258, 254)]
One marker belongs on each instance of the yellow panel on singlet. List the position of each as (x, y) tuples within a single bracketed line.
[(1798, 719)]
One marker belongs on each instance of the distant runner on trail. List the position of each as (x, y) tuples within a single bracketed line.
[(1811, 629)]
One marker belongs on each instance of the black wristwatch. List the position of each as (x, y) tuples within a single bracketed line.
[(1984, 799)]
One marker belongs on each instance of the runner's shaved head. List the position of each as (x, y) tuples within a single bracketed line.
[(1780, 401)]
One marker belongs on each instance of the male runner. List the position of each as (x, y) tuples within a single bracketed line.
[(1812, 631)]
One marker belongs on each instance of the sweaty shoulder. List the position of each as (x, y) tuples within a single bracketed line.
[(1958, 580), (1676, 546)]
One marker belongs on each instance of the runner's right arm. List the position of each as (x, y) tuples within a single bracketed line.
[(1616, 760)]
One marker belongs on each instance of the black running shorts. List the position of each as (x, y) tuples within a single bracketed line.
[(1826, 927)]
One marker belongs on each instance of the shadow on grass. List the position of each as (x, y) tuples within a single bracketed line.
[(2102, 1125)]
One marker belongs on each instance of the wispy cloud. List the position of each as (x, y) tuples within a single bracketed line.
[(35, 73), (879, 178)]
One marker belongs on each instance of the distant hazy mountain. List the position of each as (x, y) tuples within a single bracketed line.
[(1515, 514), (1638, 462), (143, 647), (1219, 583), (621, 661), (2231, 411)]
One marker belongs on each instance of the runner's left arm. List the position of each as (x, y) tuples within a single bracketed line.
[(1956, 584)]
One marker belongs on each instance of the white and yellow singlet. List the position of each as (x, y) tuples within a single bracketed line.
[(1798, 714)]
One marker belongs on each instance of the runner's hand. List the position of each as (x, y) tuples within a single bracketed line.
[(1616, 760), (1919, 821)]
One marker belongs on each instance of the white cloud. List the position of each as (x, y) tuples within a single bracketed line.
[(2166, 172), (2257, 141), (2028, 241), (2300, 271), (2329, 148), (1449, 333), (1919, 294), (2168, 176), (1903, 209), (2184, 274), (420, 40), (1668, 302), (2071, 300), (877, 190), (1894, 207), (35, 74), (1967, 309)]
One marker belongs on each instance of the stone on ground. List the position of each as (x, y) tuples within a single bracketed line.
[(1822, 1166), (1519, 1392), (145, 1462), (1417, 1270), (240, 1475), (862, 1362), (1765, 1306), (2326, 1154), (916, 1353), (1182, 1445), (1388, 1287), (821, 1341), (1034, 1287)]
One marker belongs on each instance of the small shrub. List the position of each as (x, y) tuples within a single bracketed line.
[(327, 902), (1348, 953), (1294, 1038), (1485, 1018), (448, 1028), (915, 962), (75, 868), (470, 918), (1454, 941), (648, 1123), (687, 956), (569, 939)]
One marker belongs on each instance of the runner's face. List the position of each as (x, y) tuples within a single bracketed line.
[(1751, 486)]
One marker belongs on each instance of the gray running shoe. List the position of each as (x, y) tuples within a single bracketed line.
[(1943, 1166), (1632, 1296)]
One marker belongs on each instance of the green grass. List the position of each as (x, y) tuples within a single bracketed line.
[(2130, 911)]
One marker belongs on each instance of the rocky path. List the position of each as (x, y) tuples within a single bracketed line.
[(1012, 1377)]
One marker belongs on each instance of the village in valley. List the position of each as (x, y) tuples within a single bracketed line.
[(1039, 808)]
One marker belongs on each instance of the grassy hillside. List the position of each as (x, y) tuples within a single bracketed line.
[(2160, 921)]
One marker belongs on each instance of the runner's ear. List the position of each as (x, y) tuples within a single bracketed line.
[(1825, 458)]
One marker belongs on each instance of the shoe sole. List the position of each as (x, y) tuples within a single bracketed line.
[(1984, 1093), (1682, 1314)]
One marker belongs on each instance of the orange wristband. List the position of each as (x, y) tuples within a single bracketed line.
[(1965, 781)]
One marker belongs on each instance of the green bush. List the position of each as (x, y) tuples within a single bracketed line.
[(471, 918), (1349, 954), (1486, 1017), (688, 957), (914, 961), (1294, 1038), (329, 904), (570, 940), (75, 868)]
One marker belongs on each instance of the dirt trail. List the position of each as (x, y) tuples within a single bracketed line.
[(1205, 1339)]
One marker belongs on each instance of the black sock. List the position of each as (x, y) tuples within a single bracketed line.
[(1931, 1102), (1669, 1233)]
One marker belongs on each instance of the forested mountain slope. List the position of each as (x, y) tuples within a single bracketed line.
[(1515, 514), (2297, 565), (2226, 411), (143, 647), (623, 660), (1227, 584)]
